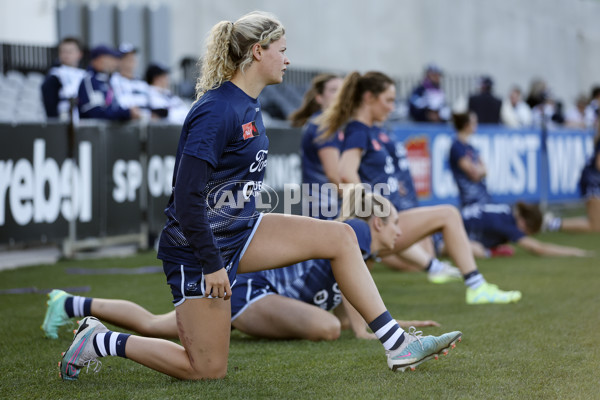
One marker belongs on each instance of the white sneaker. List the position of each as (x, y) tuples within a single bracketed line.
[(81, 352)]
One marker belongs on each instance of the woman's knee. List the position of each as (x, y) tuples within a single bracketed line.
[(345, 234), (451, 210), (210, 369), (329, 329)]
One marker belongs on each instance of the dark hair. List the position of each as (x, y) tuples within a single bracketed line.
[(349, 98), (309, 103), (460, 120), (595, 92), (532, 216), (71, 39)]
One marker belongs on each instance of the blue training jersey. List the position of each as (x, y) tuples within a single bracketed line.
[(377, 166), (224, 128), (491, 224), (589, 182), (406, 187), (312, 169), (469, 192), (312, 281)]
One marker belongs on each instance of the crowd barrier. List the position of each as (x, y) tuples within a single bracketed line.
[(105, 183)]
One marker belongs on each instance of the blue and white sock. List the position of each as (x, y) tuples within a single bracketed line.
[(77, 306), (110, 344), (387, 331), (474, 279)]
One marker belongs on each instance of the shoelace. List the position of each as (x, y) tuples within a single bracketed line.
[(412, 331), (97, 365)]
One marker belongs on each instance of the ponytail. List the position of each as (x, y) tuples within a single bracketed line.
[(217, 66), (346, 102), (349, 98)]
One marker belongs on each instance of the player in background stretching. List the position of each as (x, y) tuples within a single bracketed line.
[(223, 149), (284, 303), (469, 173), (589, 187), (363, 103), (466, 165), (491, 225), (319, 158)]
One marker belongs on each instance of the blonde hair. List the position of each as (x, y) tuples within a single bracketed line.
[(358, 203), (309, 103), (229, 47), (349, 98)]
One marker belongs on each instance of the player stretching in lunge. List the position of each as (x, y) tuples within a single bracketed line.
[(222, 150), (284, 303)]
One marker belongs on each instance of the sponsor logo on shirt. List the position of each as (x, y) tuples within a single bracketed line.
[(383, 137), (376, 145), (249, 130), (261, 161)]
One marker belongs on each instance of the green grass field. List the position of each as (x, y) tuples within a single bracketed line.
[(545, 347)]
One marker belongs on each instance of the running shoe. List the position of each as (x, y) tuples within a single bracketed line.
[(81, 353), (447, 274), (503, 250), (490, 294), (417, 349), (56, 316)]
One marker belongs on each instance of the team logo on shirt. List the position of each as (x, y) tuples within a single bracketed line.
[(340, 136), (249, 130), (376, 144)]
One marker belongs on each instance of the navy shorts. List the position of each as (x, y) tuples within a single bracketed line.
[(248, 289), (187, 282), (438, 242), (589, 183)]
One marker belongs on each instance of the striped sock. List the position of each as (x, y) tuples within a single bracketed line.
[(387, 331), (77, 306), (474, 279), (110, 344)]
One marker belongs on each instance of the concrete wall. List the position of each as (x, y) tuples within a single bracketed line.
[(512, 40), (28, 22)]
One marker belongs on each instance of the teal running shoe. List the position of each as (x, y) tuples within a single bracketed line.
[(81, 352), (490, 294), (56, 316), (417, 349)]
